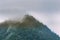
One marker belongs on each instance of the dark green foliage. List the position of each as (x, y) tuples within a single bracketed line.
[(29, 29)]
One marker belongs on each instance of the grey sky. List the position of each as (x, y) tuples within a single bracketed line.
[(35, 5)]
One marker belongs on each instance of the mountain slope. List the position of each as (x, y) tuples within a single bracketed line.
[(29, 29)]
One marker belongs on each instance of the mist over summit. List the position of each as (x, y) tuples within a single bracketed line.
[(28, 29)]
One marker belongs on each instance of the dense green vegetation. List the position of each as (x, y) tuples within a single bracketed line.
[(29, 29)]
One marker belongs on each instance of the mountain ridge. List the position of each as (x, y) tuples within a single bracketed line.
[(28, 29), (27, 20)]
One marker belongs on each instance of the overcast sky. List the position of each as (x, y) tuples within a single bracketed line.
[(46, 11)]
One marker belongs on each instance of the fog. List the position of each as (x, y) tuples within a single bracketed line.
[(46, 11)]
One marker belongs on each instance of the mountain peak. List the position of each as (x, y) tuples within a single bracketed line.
[(29, 29), (28, 18), (29, 21)]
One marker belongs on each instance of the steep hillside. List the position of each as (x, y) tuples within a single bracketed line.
[(28, 29)]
